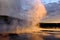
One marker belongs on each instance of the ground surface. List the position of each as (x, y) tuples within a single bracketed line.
[(45, 35)]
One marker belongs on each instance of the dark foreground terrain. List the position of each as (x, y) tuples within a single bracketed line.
[(33, 36)]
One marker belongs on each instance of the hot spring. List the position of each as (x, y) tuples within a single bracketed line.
[(21, 16)]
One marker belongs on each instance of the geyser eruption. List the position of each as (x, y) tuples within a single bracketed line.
[(23, 15)]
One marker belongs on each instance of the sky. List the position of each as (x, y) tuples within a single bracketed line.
[(55, 18), (49, 1)]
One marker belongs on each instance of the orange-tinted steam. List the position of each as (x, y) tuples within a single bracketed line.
[(34, 16)]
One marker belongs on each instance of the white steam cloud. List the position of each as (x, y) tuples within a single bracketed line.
[(29, 13)]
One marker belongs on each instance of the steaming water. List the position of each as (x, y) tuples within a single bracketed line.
[(25, 15)]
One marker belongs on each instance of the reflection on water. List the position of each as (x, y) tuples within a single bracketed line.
[(27, 37), (33, 36), (37, 36)]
